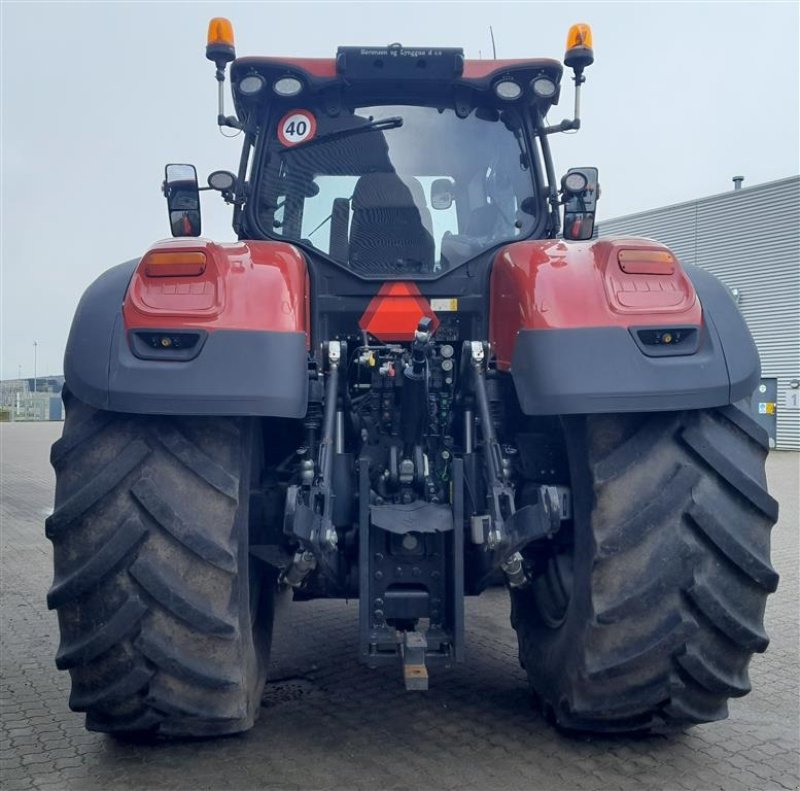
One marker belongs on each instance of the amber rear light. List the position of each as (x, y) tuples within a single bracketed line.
[(646, 262), (174, 264)]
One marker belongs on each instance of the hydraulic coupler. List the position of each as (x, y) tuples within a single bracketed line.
[(414, 412)]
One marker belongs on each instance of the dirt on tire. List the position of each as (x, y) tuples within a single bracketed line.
[(667, 578), (164, 628)]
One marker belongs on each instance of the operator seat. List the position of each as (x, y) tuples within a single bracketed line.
[(391, 227), (480, 232)]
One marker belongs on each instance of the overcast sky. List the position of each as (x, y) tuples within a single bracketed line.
[(96, 97)]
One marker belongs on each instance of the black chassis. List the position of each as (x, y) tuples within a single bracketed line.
[(404, 446)]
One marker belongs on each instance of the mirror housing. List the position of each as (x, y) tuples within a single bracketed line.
[(183, 199), (441, 194), (579, 191)]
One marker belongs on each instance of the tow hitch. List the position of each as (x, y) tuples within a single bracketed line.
[(411, 566)]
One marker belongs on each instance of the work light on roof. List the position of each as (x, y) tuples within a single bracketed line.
[(508, 90), (287, 86), (251, 84), (543, 87)]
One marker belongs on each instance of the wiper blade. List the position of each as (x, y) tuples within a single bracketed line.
[(393, 122)]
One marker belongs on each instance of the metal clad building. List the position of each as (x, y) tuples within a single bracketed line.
[(750, 239)]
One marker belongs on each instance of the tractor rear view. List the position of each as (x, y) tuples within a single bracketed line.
[(409, 377)]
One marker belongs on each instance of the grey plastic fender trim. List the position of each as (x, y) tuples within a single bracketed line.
[(237, 372), (737, 344), (601, 369), (88, 352)]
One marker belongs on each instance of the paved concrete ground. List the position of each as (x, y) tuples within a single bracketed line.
[(328, 722)]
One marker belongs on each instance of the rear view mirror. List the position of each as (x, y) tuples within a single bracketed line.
[(441, 194), (183, 199), (580, 191)]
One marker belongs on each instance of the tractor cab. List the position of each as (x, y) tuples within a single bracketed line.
[(399, 161)]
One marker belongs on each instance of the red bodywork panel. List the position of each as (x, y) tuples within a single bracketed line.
[(552, 284), (261, 286)]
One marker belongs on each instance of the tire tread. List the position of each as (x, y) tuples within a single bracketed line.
[(148, 580), (671, 608), (98, 487), (104, 561)]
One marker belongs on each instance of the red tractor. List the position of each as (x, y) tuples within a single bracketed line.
[(409, 377)]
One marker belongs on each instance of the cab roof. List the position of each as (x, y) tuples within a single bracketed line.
[(389, 71)]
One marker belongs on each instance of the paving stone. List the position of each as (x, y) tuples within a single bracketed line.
[(16, 783), (356, 729), (30, 746)]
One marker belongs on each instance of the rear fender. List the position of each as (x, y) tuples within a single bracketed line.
[(580, 327), (245, 315)]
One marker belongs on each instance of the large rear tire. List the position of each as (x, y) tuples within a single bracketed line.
[(165, 622), (646, 611)]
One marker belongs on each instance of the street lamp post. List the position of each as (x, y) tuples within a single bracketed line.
[(35, 351)]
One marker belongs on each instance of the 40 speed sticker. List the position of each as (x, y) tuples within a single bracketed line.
[(297, 126)]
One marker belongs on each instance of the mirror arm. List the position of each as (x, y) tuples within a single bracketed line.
[(227, 195)]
